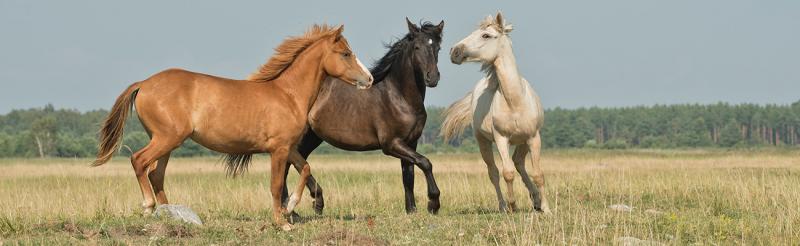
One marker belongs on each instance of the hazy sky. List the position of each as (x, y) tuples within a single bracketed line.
[(82, 54)]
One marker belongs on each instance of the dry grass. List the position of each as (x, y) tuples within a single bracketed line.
[(703, 196)]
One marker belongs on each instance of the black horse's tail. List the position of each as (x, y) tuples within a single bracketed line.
[(236, 164)]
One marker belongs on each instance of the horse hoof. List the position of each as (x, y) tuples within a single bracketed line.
[(293, 217), (287, 227), (411, 209), (433, 207), (319, 204)]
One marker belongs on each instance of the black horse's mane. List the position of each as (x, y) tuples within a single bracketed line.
[(380, 69)]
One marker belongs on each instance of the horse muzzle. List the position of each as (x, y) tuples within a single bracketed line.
[(363, 85), (432, 79), (457, 55)]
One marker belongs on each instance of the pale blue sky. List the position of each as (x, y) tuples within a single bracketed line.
[(81, 54)]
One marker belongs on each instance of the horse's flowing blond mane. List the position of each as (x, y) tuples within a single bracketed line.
[(288, 51)]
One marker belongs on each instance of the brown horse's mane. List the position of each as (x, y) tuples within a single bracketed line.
[(288, 51)]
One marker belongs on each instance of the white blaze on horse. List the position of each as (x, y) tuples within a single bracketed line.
[(503, 108)]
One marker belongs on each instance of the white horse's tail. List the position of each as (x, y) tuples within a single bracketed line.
[(457, 117)]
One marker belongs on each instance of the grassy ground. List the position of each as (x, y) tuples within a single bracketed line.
[(701, 196)]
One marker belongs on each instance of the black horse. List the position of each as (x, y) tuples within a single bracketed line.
[(390, 116)]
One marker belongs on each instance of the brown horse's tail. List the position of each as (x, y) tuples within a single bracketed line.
[(457, 117), (111, 133)]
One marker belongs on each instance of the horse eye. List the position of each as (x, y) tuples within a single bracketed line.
[(486, 36), (346, 54)]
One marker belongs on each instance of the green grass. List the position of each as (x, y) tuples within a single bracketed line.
[(709, 197)]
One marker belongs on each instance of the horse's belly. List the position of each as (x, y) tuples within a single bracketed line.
[(228, 142)]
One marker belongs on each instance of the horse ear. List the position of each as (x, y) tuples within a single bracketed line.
[(411, 27), (440, 27), (501, 22), (499, 19), (338, 33)]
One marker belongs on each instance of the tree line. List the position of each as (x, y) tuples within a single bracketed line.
[(51, 132)]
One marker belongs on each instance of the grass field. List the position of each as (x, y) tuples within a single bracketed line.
[(679, 197)]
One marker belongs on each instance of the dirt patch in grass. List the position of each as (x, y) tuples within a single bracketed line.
[(345, 237)]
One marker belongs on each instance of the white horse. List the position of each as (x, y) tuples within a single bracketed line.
[(503, 109)]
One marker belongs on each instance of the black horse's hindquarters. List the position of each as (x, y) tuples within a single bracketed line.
[(390, 116)]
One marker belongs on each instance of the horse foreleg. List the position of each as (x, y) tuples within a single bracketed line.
[(485, 145), (508, 169), (408, 185), (278, 157), (305, 171), (309, 143), (399, 149)]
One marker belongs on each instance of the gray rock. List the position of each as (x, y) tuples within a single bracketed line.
[(621, 208), (177, 212), (632, 241)]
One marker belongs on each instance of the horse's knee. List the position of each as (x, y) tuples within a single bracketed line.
[(306, 170), (538, 179), (508, 175), (425, 164)]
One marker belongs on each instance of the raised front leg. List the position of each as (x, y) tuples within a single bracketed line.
[(309, 143), (399, 149), (305, 172), (485, 145)]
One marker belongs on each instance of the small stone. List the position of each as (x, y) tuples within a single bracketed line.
[(178, 212), (621, 208), (632, 241)]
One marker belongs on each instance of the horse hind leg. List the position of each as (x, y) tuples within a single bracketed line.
[(157, 179), (535, 145), (142, 162)]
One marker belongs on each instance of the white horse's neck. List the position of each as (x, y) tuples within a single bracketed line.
[(504, 71)]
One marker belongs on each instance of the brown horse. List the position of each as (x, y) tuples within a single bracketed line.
[(265, 113)]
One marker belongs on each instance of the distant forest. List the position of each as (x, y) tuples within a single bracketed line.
[(51, 132)]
